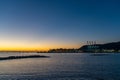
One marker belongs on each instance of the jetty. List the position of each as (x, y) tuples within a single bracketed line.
[(23, 57)]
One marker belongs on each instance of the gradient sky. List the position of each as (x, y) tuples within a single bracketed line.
[(45, 24)]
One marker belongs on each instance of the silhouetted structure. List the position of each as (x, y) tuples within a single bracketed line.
[(22, 57), (61, 50)]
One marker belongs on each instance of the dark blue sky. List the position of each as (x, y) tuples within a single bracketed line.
[(58, 23)]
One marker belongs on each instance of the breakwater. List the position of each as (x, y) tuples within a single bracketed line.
[(22, 57)]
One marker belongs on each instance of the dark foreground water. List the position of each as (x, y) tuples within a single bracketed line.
[(65, 66)]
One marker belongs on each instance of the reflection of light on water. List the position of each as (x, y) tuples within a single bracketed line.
[(62, 66), (56, 62), (24, 65)]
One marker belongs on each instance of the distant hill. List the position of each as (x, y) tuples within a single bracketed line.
[(108, 46), (113, 45)]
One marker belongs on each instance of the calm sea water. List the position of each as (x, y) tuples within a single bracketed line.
[(61, 66)]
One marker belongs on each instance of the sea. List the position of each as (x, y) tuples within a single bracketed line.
[(61, 66)]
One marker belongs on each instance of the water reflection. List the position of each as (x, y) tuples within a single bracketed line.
[(62, 66)]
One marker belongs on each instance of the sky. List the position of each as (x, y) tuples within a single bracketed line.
[(47, 24)]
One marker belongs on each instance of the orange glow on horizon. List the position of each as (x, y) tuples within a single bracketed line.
[(16, 45), (29, 48), (22, 49)]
